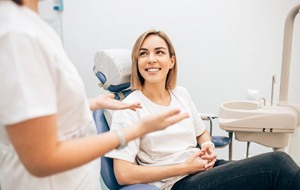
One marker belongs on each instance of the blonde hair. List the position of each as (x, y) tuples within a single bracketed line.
[(137, 80)]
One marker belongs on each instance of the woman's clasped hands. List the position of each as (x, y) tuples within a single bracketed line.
[(203, 160), (207, 153)]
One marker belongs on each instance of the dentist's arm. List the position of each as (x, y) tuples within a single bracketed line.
[(42, 154)]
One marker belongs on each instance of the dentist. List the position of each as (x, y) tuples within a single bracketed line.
[(47, 135)]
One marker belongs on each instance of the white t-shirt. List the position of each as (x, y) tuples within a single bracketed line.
[(173, 145), (38, 79)]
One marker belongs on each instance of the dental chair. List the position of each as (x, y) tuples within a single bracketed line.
[(116, 70)]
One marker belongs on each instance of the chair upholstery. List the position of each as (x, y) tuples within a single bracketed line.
[(107, 171), (220, 141)]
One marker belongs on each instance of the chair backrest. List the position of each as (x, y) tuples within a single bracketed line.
[(113, 69)]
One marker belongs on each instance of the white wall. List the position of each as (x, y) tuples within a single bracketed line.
[(223, 47)]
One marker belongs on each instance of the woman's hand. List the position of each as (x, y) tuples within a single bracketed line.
[(161, 120), (107, 101), (195, 163), (208, 153)]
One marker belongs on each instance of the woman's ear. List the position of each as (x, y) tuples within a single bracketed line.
[(172, 62), (171, 65)]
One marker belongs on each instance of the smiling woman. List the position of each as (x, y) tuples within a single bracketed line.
[(171, 159)]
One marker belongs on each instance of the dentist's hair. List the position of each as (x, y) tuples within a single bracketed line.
[(19, 2), (137, 80)]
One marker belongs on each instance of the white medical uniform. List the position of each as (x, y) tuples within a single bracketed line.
[(38, 79), (173, 145)]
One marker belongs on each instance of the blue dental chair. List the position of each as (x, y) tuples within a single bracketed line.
[(116, 70)]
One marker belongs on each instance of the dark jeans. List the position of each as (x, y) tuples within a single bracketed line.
[(275, 170)]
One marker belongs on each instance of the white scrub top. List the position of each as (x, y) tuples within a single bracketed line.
[(38, 79), (172, 145)]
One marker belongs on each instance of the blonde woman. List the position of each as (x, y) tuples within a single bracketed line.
[(170, 159)]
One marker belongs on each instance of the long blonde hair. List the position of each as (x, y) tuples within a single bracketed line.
[(137, 80)]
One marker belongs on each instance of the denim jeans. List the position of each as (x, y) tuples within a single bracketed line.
[(275, 170)]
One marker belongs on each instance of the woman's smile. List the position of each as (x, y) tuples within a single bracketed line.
[(153, 70)]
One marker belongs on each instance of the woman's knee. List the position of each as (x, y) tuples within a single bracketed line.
[(271, 159), (282, 161), (279, 155)]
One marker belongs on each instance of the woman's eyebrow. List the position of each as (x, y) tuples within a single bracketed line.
[(160, 48), (143, 49), (157, 48)]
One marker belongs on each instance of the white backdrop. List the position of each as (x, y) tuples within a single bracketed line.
[(223, 47)]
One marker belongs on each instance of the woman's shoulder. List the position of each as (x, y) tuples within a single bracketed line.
[(180, 90), (127, 115), (132, 97)]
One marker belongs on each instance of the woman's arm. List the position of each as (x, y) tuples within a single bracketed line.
[(41, 152), (204, 137), (129, 173), (107, 101), (207, 149)]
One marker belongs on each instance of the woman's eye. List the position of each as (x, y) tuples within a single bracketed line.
[(160, 52), (142, 54)]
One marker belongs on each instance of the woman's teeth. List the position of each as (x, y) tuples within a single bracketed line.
[(152, 69)]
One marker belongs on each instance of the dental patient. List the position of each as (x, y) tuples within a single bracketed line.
[(171, 159)]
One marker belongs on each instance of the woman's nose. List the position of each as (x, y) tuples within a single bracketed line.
[(151, 58)]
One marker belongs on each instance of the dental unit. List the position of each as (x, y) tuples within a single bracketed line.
[(274, 125)]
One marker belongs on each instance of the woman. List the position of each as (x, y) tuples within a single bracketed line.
[(47, 135), (170, 159)]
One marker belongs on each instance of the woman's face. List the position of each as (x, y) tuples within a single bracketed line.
[(154, 60)]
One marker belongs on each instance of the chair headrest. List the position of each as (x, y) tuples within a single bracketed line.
[(113, 68)]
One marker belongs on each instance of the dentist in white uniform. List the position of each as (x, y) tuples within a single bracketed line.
[(47, 135)]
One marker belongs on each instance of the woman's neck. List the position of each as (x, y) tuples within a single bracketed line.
[(157, 94)]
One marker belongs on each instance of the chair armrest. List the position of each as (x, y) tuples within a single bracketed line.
[(207, 116)]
